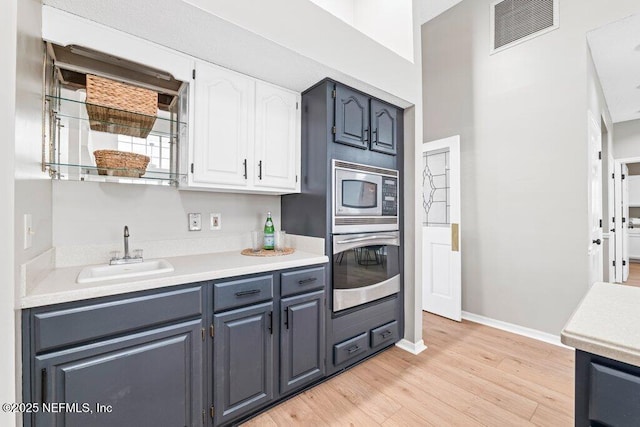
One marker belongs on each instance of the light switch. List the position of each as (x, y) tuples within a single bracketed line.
[(215, 221), (195, 222)]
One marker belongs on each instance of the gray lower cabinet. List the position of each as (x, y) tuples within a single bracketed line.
[(269, 339), (147, 358), (151, 378), (127, 360), (242, 361), (302, 340), (607, 392)]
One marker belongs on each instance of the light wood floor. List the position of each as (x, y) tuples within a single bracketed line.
[(470, 375), (634, 274)]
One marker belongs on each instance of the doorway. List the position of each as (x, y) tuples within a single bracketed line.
[(626, 221)]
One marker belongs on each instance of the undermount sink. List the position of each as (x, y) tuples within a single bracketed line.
[(122, 271)]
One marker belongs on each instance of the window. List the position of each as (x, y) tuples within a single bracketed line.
[(158, 148)]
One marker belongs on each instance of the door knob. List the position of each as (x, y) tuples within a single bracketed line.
[(597, 242)]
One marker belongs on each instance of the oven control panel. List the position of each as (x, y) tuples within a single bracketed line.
[(389, 196)]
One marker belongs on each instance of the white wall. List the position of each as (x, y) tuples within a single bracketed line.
[(387, 22), (32, 186), (322, 38), (412, 193), (521, 115), (343, 9), (8, 374), (89, 213), (626, 141)]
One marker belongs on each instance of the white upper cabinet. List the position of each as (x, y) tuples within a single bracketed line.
[(243, 134), (277, 138), (634, 190), (246, 134), (223, 121)]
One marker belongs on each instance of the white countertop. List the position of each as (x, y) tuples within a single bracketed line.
[(60, 284), (607, 323)]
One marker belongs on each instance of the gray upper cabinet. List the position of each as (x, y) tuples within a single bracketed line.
[(150, 378), (365, 122), (242, 361), (351, 121), (384, 132), (302, 340)]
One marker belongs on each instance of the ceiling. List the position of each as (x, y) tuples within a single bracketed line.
[(616, 54), (429, 9)]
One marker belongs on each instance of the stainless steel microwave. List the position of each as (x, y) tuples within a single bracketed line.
[(364, 198)]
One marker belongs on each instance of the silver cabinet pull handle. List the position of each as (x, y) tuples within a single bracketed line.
[(251, 292), (364, 239)]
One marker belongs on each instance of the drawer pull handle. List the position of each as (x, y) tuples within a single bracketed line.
[(286, 317), (306, 281), (44, 386), (245, 293), (353, 349), (386, 333)]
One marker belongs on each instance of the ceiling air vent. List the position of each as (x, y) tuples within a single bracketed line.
[(515, 21)]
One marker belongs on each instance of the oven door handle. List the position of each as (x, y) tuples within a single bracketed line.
[(365, 239)]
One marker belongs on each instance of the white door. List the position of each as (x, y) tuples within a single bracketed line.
[(441, 266), (224, 115), (594, 250), (621, 217), (610, 228), (277, 138), (625, 222)]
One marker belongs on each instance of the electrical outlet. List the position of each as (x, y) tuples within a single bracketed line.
[(215, 221), (28, 231), (195, 222)]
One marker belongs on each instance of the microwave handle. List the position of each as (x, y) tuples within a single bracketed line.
[(364, 239)]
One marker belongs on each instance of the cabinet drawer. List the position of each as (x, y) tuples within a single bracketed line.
[(237, 293), (302, 281), (613, 396), (64, 327), (350, 348), (385, 334)]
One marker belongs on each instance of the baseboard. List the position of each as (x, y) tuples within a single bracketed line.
[(411, 347), (515, 329)]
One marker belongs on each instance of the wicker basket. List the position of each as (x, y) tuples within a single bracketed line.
[(120, 108), (121, 163)]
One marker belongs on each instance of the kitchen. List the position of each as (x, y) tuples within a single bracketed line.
[(86, 236)]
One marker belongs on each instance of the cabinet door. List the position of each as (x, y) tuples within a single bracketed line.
[(242, 361), (302, 340), (277, 138), (149, 378), (634, 190), (351, 118), (384, 132), (224, 118)]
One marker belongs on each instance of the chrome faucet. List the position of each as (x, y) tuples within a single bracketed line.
[(127, 258), (126, 243)]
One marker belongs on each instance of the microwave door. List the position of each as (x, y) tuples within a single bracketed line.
[(357, 194)]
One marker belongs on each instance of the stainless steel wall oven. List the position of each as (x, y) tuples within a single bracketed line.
[(366, 267)]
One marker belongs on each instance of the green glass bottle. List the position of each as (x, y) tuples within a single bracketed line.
[(269, 232)]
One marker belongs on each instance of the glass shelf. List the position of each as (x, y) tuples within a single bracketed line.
[(67, 171), (76, 111)]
